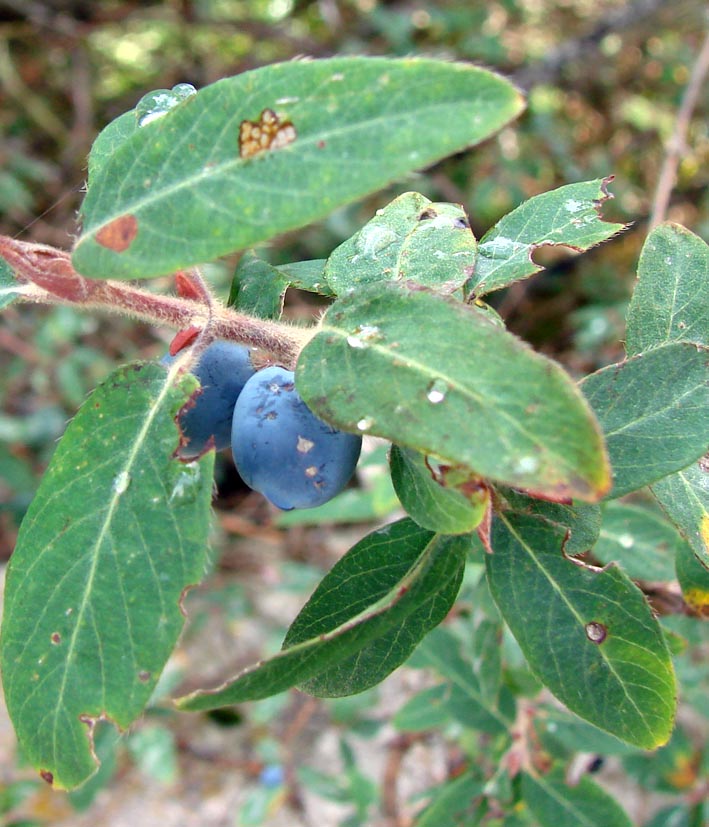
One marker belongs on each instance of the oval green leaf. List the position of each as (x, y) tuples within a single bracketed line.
[(430, 564), (653, 411), (685, 498), (366, 574), (568, 216), (435, 375), (411, 238), (671, 297), (554, 802), (588, 634), (181, 190), (430, 503), (116, 533)]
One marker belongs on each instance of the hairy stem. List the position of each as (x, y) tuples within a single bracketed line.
[(50, 278)]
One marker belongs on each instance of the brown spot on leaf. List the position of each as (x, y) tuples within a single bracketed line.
[(56, 638), (596, 632), (119, 234), (427, 214), (47, 776), (143, 676), (269, 132)]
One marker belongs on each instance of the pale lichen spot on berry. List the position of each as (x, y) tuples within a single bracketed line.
[(304, 445), (119, 234)]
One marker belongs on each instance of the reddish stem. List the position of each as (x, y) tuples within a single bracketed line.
[(51, 271)]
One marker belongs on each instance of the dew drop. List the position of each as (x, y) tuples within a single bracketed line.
[(156, 104), (626, 540), (121, 482), (437, 391), (526, 465), (365, 423)]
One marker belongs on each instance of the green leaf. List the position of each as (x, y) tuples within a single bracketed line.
[(582, 520), (653, 411), (425, 566), (671, 298), (639, 540), (368, 573), (487, 657), (452, 802), (693, 577), (567, 216), (425, 710), (151, 106), (685, 498), (258, 288), (575, 735), (10, 288), (431, 503), (306, 275), (411, 239), (588, 634), (178, 192), (114, 536), (109, 140), (585, 804), (435, 375), (468, 700)]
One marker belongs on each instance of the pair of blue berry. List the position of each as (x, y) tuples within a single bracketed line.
[(280, 447)]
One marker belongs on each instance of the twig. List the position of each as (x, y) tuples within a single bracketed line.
[(678, 141), (49, 278)]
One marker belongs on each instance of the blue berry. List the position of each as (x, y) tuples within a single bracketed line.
[(272, 775), (223, 370), (283, 450)]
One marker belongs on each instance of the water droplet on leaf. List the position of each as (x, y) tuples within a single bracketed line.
[(365, 423), (437, 391), (121, 482)]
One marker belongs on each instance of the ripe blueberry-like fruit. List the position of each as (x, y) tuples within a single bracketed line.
[(283, 450), (223, 370)]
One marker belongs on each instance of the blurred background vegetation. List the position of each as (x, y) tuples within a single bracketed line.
[(604, 78)]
